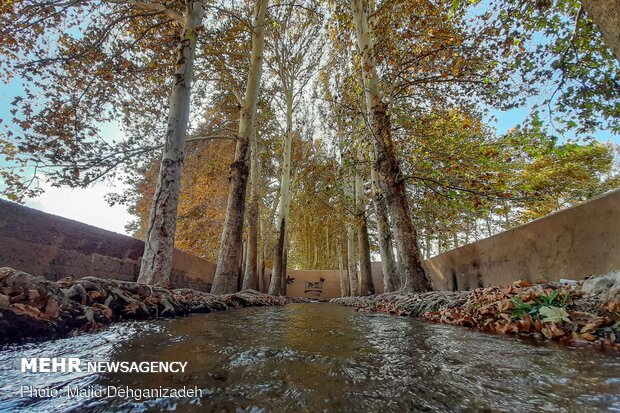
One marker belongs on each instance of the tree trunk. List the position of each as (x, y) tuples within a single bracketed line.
[(351, 262), (276, 285), (261, 257), (225, 274), (250, 277), (384, 235), (159, 240), (344, 290), (366, 285), (393, 185), (242, 263), (606, 16), (284, 270)]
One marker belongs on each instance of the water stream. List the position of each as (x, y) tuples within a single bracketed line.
[(320, 357)]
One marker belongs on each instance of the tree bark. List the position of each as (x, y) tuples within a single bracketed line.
[(344, 290), (351, 262), (384, 235), (387, 165), (279, 272), (260, 255), (159, 240), (284, 267), (366, 285), (606, 16), (250, 277), (225, 277)]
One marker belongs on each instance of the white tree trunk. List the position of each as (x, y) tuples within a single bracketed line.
[(351, 253), (344, 283), (159, 241), (225, 279), (388, 262), (278, 276), (261, 256)]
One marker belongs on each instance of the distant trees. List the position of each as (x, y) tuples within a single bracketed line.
[(294, 54)]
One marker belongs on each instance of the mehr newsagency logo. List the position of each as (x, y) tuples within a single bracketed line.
[(75, 365)]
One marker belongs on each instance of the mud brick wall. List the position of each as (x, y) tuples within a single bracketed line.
[(56, 247)]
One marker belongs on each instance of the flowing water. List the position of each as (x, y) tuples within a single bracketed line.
[(320, 357)]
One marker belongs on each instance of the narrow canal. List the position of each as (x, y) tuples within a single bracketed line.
[(320, 357)]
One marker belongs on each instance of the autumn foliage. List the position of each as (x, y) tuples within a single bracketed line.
[(541, 311)]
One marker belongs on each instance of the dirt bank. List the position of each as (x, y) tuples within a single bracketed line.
[(32, 307), (586, 312)]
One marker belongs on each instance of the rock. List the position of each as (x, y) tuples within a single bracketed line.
[(605, 286)]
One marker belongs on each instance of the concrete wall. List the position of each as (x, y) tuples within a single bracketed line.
[(573, 243), (55, 247)]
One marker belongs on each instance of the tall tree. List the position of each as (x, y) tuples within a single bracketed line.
[(159, 240), (226, 273), (387, 164), (82, 62), (294, 54)]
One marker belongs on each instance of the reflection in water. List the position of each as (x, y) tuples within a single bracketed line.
[(321, 357)]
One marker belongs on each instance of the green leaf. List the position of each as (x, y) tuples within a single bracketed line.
[(553, 314)]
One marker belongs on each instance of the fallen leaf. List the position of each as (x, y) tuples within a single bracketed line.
[(95, 294), (552, 331), (553, 314), (538, 326), (26, 309), (33, 295), (588, 336), (593, 325), (130, 308), (51, 309), (525, 324), (107, 311), (504, 305)]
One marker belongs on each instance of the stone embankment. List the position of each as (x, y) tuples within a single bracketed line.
[(584, 311), (32, 307)]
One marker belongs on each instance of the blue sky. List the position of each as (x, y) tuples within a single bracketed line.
[(84, 205)]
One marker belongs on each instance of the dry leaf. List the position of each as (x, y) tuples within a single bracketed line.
[(588, 336), (51, 309), (26, 309)]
